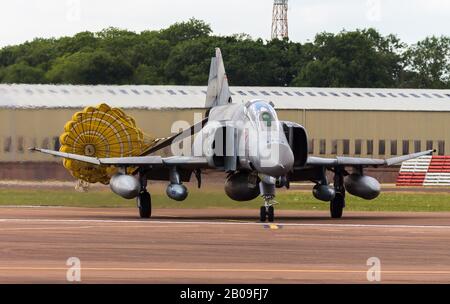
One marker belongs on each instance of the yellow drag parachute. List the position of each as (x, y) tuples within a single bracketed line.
[(101, 132)]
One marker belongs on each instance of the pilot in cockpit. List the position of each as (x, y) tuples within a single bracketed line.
[(263, 116)]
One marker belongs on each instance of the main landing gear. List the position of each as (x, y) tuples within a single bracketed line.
[(337, 204), (144, 202), (144, 199)]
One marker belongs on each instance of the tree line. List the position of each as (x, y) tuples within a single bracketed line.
[(180, 55)]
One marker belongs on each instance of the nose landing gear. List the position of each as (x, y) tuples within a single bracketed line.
[(267, 212), (267, 188)]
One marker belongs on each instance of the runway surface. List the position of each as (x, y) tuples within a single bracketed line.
[(221, 246)]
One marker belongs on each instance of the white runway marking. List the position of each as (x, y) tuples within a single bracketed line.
[(212, 223), (235, 270)]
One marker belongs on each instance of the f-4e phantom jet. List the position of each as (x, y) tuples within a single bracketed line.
[(247, 141)]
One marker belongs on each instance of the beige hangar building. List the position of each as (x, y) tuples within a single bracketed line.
[(375, 123)]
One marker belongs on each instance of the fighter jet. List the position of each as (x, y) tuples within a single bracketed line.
[(246, 140)]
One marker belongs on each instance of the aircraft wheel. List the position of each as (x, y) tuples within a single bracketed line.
[(271, 214), (144, 201), (337, 206), (263, 215)]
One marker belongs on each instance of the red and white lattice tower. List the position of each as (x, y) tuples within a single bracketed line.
[(280, 25)]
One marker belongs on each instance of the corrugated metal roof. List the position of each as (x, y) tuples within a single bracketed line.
[(193, 97)]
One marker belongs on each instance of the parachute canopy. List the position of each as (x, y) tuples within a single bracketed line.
[(101, 132)]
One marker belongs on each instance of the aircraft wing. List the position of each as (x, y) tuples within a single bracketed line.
[(366, 162), (154, 161), (165, 142)]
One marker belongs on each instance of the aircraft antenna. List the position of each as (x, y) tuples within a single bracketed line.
[(280, 25)]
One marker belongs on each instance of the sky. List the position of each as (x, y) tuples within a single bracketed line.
[(410, 20)]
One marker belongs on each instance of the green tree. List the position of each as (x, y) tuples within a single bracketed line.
[(145, 74), (22, 73), (429, 63), (118, 42), (90, 68), (189, 62), (149, 57), (84, 41), (252, 63), (180, 54), (182, 31), (353, 59)]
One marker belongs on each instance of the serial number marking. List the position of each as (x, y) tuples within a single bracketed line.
[(254, 294)]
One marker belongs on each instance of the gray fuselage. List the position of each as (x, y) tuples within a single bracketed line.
[(251, 135)]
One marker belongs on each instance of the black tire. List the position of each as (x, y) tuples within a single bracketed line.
[(263, 215), (271, 214), (144, 201), (337, 206)]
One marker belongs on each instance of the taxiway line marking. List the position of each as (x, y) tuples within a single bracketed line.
[(62, 229), (124, 269), (68, 221)]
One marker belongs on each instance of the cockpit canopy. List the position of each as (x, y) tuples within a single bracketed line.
[(263, 115)]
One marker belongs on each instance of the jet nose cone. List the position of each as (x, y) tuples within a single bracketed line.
[(279, 162), (275, 171)]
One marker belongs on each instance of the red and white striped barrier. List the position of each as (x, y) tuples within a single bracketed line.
[(425, 171)]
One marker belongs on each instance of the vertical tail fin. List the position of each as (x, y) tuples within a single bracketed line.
[(218, 90)]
